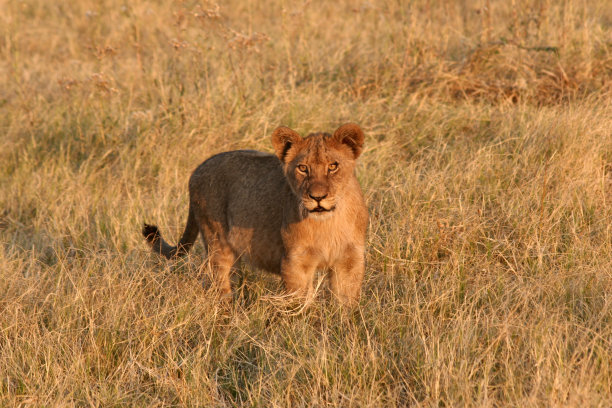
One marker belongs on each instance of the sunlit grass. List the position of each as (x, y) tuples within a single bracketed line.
[(487, 172)]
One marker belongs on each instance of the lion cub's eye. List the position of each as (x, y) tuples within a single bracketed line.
[(302, 168), (333, 166)]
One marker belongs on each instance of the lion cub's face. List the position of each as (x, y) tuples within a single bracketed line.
[(319, 166)]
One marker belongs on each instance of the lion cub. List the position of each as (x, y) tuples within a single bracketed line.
[(289, 214)]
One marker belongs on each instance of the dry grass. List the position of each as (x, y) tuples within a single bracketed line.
[(488, 174)]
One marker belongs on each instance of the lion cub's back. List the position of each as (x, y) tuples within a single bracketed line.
[(241, 187), (237, 174)]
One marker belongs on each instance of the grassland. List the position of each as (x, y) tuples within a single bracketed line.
[(487, 172)]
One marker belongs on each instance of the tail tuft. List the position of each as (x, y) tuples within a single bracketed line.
[(157, 243), (151, 233)]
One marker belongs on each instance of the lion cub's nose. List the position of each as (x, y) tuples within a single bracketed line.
[(317, 197)]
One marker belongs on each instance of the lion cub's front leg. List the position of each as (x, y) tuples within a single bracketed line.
[(346, 275), (297, 270)]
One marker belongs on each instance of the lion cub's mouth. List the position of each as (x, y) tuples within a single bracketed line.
[(319, 209)]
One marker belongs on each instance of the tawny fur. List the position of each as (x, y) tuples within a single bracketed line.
[(290, 213)]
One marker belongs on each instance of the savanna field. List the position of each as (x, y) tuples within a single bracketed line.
[(487, 171)]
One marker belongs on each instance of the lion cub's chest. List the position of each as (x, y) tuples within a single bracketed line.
[(323, 241)]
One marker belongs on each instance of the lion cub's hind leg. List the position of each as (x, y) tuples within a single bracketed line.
[(222, 260)]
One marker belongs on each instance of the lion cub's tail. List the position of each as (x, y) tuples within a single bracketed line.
[(155, 240)]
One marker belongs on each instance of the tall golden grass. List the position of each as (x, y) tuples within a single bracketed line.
[(488, 175)]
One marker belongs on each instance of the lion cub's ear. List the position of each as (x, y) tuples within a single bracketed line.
[(282, 140), (351, 135)]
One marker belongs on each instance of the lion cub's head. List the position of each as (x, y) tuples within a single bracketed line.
[(319, 167)]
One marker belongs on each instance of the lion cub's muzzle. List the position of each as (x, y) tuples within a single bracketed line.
[(319, 203)]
